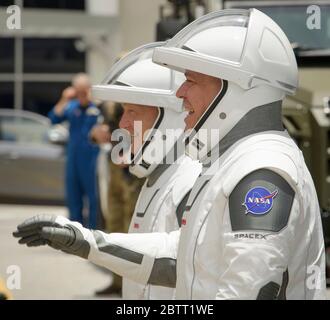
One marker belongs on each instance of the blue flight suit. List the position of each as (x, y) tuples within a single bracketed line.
[(80, 178)]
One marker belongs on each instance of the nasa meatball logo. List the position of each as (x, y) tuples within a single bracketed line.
[(259, 201)]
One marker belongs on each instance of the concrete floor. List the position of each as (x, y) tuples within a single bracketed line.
[(45, 273)]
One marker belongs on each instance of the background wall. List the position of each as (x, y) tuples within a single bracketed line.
[(137, 26), (138, 22)]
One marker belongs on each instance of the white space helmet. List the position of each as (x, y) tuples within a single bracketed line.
[(246, 49), (136, 79)]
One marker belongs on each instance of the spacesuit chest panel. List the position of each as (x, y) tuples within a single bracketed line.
[(144, 213), (196, 211), (195, 194), (151, 202), (203, 225)]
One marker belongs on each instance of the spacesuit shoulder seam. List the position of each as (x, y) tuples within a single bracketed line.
[(282, 165)]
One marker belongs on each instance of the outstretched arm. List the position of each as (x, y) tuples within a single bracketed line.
[(144, 258)]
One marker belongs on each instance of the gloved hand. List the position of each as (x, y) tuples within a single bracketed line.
[(57, 232)]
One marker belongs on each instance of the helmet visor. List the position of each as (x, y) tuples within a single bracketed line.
[(136, 79)]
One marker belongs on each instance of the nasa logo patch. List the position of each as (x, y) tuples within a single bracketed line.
[(259, 200), (262, 200)]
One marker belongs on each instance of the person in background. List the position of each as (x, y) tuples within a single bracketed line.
[(76, 107), (124, 187)]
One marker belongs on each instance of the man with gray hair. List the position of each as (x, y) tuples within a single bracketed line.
[(76, 107)]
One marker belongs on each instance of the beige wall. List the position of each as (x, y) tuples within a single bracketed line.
[(103, 52), (136, 26), (138, 20)]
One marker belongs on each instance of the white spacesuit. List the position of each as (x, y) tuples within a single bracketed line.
[(136, 79), (251, 227)]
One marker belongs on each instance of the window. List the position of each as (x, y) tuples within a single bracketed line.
[(52, 56), (55, 4), (41, 97), (6, 55), (6, 3), (42, 60), (34, 71), (292, 19), (7, 95)]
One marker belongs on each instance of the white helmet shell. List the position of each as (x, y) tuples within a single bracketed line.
[(136, 79), (245, 48)]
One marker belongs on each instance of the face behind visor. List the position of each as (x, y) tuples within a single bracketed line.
[(135, 79), (246, 49)]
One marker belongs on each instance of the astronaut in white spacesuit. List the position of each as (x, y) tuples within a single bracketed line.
[(143, 89), (251, 227)]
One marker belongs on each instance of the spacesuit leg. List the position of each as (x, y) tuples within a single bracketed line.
[(87, 175)]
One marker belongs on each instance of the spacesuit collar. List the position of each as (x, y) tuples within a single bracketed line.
[(267, 117), (175, 153), (154, 176)]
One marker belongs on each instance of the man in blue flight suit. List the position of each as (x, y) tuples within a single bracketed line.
[(76, 107)]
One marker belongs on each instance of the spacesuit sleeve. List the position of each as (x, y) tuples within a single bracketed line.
[(141, 257), (256, 242), (55, 119)]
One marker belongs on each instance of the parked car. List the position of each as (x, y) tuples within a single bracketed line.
[(32, 158)]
